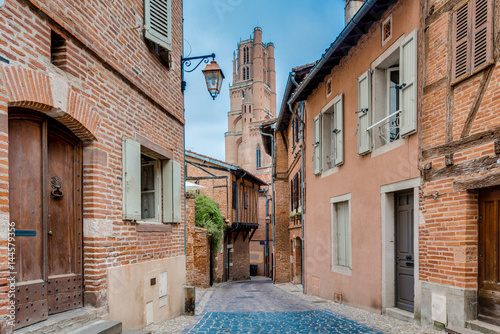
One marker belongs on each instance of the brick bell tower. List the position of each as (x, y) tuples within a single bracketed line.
[(253, 101)]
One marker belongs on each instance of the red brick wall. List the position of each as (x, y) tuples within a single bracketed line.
[(449, 233), (198, 250), (103, 97)]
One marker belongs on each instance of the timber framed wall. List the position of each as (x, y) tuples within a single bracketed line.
[(460, 141)]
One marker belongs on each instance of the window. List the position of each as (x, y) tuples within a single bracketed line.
[(244, 73), (151, 184), (234, 196), (58, 51), (246, 58), (158, 22), (329, 136), (386, 30), (341, 234), (295, 198), (472, 37), (393, 85), (258, 153)]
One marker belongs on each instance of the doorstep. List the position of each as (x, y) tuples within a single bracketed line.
[(399, 314), (483, 327), (64, 322)]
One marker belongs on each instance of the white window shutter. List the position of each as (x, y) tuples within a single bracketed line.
[(158, 22), (177, 196), (339, 134), (317, 144), (131, 165), (408, 78), (364, 113)]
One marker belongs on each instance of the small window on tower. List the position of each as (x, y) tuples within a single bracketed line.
[(58, 51)]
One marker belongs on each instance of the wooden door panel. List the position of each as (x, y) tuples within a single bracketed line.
[(488, 257), (26, 210), (26, 196), (61, 220), (65, 281)]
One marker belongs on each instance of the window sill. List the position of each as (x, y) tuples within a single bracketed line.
[(342, 270), (473, 73), (153, 227), (387, 147), (329, 172)]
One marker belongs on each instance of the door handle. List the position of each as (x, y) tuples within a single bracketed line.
[(50, 233), (409, 257)]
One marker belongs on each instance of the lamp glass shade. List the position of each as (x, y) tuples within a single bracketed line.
[(213, 77)]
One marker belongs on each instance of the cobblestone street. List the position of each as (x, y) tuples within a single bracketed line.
[(260, 307)]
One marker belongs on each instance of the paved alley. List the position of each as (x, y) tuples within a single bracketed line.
[(260, 307)]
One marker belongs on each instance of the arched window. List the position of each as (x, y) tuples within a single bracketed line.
[(258, 156), (246, 58), (244, 73)]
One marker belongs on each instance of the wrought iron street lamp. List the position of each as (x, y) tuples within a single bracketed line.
[(212, 72)]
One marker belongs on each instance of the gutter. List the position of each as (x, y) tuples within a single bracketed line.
[(365, 8)]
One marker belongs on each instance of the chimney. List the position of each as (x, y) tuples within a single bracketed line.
[(351, 8)]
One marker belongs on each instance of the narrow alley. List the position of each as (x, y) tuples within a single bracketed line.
[(258, 306)]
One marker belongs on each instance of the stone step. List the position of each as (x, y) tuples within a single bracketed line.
[(101, 327), (63, 323), (135, 331), (483, 327), (460, 330)]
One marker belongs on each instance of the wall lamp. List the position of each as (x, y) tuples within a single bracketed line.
[(212, 72)]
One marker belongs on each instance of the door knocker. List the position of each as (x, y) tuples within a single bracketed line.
[(56, 192)]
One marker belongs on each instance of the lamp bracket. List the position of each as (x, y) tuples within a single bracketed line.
[(186, 62)]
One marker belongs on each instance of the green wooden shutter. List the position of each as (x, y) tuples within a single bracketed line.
[(339, 134), (171, 191), (408, 77), (131, 166), (177, 196), (317, 144), (158, 22), (364, 113), (167, 190)]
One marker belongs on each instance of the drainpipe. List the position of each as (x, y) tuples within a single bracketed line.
[(238, 202), (185, 172), (302, 186), (272, 197)]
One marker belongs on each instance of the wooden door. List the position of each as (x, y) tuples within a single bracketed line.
[(404, 251), (45, 204), (488, 256)]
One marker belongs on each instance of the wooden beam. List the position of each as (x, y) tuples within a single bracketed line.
[(485, 81), (251, 235), (245, 235), (479, 165), (477, 183), (236, 236), (463, 143)]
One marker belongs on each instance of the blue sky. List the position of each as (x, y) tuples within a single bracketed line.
[(301, 30)]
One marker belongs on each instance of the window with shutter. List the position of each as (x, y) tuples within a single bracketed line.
[(317, 144), (158, 22), (150, 183), (341, 234), (472, 37), (364, 113), (338, 131)]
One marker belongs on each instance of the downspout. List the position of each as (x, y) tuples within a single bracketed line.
[(266, 247), (302, 186), (185, 172), (272, 197)]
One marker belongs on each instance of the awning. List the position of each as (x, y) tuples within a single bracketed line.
[(193, 186)]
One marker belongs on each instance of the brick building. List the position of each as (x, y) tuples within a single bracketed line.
[(287, 145), (253, 101), (91, 132), (359, 106), (236, 192), (458, 233)]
